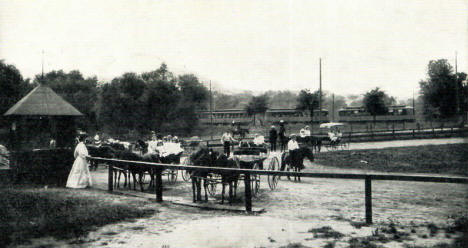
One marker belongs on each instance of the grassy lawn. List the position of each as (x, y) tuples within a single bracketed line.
[(29, 212), (445, 159)]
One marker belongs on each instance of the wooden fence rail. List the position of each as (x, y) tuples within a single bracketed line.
[(247, 172), (376, 135)]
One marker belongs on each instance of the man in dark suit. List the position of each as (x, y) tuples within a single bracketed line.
[(273, 138)]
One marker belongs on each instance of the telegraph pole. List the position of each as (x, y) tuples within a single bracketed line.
[(320, 91), (211, 111), (333, 107), (456, 88)]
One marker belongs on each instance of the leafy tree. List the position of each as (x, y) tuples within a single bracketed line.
[(192, 91), (194, 97), (78, 91), (12, 86), (441, 92), (308, 101), (122, 108), (155, 100), (355, 100), (282, 99), (374, 102), (225, 101), (257, 105)]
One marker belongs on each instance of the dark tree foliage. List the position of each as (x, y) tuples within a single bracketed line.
[(441, 92), (308, 101), (282, 99), (12, 86), (194, 97), (257, 105), (78, 91), (375, 102), (122, 107), (153, 101), (231, 101)]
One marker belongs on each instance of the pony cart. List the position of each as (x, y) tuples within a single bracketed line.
[(288, 161), (245, 156), (334, 141)]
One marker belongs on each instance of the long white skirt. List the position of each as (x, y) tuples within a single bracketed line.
[(79, 176)]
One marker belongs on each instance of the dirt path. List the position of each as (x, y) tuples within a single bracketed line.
[(295, 208), (291, 210), (403, 143)]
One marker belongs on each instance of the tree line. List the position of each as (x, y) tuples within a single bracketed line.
[(161, 101)]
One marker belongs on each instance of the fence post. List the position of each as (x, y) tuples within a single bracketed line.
[(110, 177), (368, 201), (248, 193), (159, 186)]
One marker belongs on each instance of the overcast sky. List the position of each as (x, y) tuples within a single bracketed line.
[(241, 45)]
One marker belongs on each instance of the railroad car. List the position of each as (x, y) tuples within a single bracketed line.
[(397, 113), (227, 116)]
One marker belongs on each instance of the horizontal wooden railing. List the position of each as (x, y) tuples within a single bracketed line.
[(376, 135), (247, 172)]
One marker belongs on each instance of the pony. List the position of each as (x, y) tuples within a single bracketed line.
[(316, 143), (210, 158), (228, 178), (295, 160), (99, 151), (202, 157)]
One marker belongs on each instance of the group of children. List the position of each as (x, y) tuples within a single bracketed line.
[(164, 146), (334, 135)]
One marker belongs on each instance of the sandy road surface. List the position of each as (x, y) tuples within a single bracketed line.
[(291, 210), (402, 143)]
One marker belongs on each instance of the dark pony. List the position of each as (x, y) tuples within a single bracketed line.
[(210, 158), (202, 157), (295, 160)]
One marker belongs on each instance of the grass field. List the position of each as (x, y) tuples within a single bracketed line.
[(32, 212), (444, 159)]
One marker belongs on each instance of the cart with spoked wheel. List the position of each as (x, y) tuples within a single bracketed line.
[(334, 140)]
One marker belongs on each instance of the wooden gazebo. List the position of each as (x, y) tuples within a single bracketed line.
[(38, 118)]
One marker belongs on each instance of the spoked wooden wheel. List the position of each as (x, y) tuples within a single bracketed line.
[(255, 180), (344, 145), (172, 175), (211, 187), (273, 179), (332, 147), (186, 173)]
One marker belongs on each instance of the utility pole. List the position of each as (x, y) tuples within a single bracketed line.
[(211, 111), (456, 89), (333, 107), (320, 91), (42, 75)]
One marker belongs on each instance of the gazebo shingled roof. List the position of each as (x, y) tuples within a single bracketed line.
[(43, 101)]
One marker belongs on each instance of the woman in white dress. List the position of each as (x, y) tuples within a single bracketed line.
[(79, 176)]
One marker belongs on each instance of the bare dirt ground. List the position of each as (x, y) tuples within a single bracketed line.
[(413, 209)]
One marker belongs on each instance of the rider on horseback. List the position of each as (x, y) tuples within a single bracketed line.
[(293, 148)]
